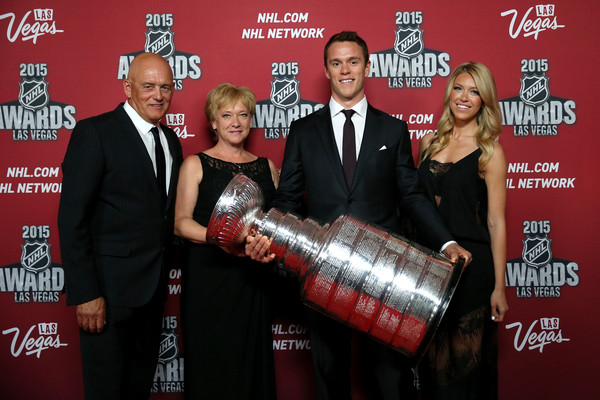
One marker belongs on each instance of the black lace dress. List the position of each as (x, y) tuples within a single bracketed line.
[(226, 325), (461, 362)]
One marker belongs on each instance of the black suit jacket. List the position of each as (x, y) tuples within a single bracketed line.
[(385, 176), (113, 226)]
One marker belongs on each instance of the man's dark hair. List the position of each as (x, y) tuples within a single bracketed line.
[(347, 36)]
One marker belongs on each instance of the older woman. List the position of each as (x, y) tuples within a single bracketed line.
[(463, 171), (225, 320)]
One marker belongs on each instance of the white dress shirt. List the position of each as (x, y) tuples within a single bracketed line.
[(338, 118), (143, 127)]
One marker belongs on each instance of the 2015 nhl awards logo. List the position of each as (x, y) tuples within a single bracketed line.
[(33, 93), (160, 39), (36, 278), (168, 347), (536, 250), (33, 116), (409, 42), (535, 112), (534, 89), (35, 256), (538, 273), (409, 64), (168, 377), (284, 104), (285, 93)]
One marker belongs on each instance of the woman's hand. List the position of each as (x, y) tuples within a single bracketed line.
[(257, 248), (499, 305)]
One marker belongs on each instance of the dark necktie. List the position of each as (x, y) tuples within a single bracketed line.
[(161, 170), (349, 148)]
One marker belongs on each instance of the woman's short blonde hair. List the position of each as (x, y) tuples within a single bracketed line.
[(224, 95)]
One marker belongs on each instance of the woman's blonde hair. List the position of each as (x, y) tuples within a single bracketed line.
[(224, 95), (489, 118)]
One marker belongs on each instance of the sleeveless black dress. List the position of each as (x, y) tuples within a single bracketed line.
[(226, 325), (461, 362)]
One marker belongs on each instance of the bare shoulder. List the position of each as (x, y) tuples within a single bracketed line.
[(498, 148), (192, 160), (498, 157), (191, 165), (497, 165)]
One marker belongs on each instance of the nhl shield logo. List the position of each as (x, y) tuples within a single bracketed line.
[(33, 94), (409, 42), (160, 42), (534, 89), (285, 93), (168, 347), (35, 256), (536, 251)]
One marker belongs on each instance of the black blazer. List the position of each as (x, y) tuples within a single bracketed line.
[(385, 176), (113, 226)]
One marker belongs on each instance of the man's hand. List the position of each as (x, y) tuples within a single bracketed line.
[(91, 316), (453, 251), (257, 248)]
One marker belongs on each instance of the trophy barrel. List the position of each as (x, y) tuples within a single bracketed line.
[(369, 279)]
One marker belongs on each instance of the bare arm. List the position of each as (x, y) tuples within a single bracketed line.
[(495, 179), (190, 176), (274, 173)]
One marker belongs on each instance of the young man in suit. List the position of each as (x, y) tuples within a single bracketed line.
[(357, 162), (115, 222)]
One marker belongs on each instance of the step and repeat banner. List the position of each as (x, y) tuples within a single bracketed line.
[(64, 61)]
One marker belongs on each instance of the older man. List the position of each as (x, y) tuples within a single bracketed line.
[(115, 221)]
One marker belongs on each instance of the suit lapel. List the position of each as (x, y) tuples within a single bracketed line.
[(174, 164), (370, 142), (324, 130)]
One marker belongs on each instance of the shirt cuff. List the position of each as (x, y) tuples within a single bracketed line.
[(446, 245)]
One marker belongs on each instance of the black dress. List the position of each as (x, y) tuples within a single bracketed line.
[(461, 362), (226, 325)]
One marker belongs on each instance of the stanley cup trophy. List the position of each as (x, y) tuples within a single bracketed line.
[(362, 276)]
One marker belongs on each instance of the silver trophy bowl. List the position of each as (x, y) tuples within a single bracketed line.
[(374, 281)]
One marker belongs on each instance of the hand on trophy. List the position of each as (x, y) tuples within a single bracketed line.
[(257, 247), (453, 251)]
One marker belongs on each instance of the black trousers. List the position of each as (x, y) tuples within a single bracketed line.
[(384, 373), (120, 362)]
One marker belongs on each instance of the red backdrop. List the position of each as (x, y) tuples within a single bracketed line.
[(63, 61)]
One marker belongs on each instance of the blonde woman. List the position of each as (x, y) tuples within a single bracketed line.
[(462, 169), (226, 325)]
